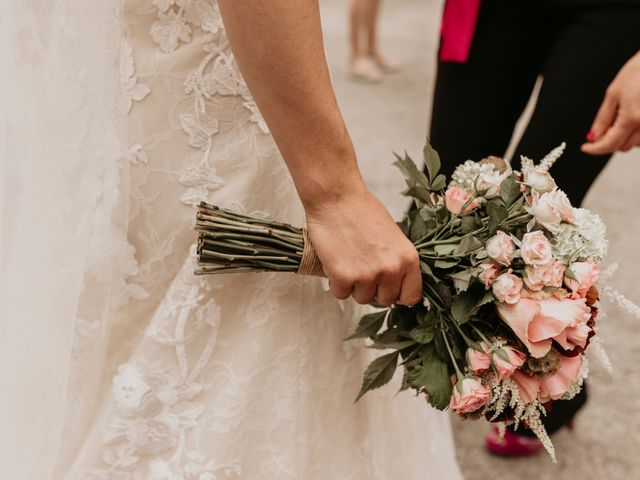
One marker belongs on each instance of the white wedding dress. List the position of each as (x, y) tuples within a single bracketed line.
[(166, 375)]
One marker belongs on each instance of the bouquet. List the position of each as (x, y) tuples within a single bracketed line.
[(509, 272)]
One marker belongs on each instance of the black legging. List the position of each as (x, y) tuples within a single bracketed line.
[(577, 50)]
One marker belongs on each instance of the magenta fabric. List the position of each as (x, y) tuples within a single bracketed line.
[(458, 26)]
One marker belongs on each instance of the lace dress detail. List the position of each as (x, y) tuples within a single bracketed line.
[(235, 377)]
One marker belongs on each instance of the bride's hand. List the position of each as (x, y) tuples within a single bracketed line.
[(363, 251)]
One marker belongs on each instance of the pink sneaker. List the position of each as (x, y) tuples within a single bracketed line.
[(511, 445)]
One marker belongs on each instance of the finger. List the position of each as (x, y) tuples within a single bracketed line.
[(605, 117), (340, 290), (632, 141), (611, 141), (364, 293), (388, 291), (411, 289)]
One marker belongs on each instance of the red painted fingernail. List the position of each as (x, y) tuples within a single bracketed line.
[(591, 136)]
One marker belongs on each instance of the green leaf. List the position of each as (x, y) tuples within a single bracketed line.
[(404, 318), (509, 190), (445, 249), (378, 373), (433, 376), (445, 264), (467, 245), (423, 334), (503, 355), (445, 293), (469, 223), (466, 303), (431, 161), (369, 325), (426, 269), (439, 183), (419, 193), (418, 228), (497, 213), (400, 345), (413, 176), (441, 346), (462, 279)]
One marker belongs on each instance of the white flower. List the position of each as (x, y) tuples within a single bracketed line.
[(545, 212), (488, 183), (153, 435), (539, 180), (586, 237), (130, 388), (466, 174), (169, 30)]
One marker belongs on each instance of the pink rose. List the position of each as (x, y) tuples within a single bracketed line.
[(536, 249), (478, 361), (456, 198), (489, 270), (500, 248), (562, 205), (555, 386), (528, 386), (557, 274), (468, 396), (538, 322), (585, 276), (507, 287), (507, 368), (536, 278)]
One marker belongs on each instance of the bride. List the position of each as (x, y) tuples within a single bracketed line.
[(117, 362)]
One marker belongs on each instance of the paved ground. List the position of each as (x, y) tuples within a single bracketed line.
[(393, 117)]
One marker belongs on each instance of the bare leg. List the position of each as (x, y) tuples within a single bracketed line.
[(357, 21), (362, 16), (373, 12)]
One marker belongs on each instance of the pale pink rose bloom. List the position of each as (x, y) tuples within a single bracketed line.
[(539, 180), (477, 361), (508, 368), (536, 249), (528, 386), (500, 248), (561, 203), (544, 210), (469, 396), (555, 386), (489, 270), (586, 275), (557, 274), (537, 322), (455, 199), (536, 278), (507, 288)]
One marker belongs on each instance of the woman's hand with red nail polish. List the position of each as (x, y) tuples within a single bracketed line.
[(617, 124)]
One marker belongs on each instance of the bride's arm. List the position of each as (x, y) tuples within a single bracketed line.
[(278, 46)]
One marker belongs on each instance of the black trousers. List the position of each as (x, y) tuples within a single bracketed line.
[(577, 50)]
